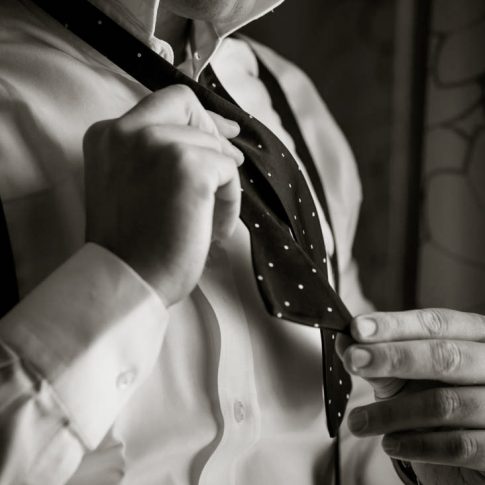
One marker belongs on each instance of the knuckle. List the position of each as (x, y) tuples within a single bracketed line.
[(95, 134), (464, 447), (147, 136), (445, 403), (181, 157), (446, 357), (432, 322), (183, 91), (187, 100), (118, 132), (389, 325), (184, 161), (173, 152), (397, 358)]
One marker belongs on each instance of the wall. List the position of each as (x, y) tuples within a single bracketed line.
[(452, 252)]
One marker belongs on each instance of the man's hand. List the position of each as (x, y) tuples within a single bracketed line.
[(428, 371), (161, 184)]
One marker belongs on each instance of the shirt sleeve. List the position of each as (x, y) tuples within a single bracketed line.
[(72, 353)]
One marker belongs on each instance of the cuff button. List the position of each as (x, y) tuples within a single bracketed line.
[(126, 379)]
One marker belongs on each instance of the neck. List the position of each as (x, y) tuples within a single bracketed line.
[(175, 30)]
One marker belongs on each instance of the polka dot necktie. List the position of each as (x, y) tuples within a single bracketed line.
[(288, 249)]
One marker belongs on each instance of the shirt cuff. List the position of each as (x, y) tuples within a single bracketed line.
[(93, 330)]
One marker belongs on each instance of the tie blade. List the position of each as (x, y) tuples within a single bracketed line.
[(337, 383), (315, 305), (290, 285), (333, 323)]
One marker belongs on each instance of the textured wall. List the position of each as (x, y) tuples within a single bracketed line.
[(452, 256), (346, 46)]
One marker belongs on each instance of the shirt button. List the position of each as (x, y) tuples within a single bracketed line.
[(239, 412), (125, 379)]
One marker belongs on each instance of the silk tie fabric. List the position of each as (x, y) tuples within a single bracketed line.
[(298, 202), (287, 246)]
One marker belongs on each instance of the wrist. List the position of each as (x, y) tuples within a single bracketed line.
[(163, 285)]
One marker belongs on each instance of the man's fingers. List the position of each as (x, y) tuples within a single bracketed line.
[(216, 176), (432, 323), (227, 128), (384, 388), (451, 361), (175, 105), (453, 448), (207, 163), (153, 135), (448, 407)]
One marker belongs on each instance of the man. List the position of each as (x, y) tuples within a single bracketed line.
[(142, 353)]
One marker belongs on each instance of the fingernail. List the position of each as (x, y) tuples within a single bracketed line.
[(390, 445), (357, 420), (360, 358), (366, 327)]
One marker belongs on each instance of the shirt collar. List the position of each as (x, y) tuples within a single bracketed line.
[(139, 18)]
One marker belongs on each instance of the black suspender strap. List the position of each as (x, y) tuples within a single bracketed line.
[(9, 295)]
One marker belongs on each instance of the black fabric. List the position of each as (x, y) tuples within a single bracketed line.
[(288, 250), (334, 375), (8, 281), (290, 123)]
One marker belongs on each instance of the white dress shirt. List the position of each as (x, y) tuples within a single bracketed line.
[(99, 383)]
